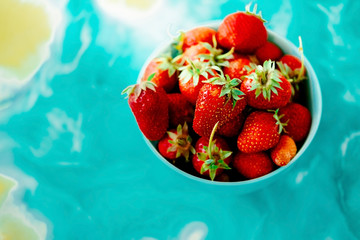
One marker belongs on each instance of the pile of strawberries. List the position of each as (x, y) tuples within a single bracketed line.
[(224, 104)]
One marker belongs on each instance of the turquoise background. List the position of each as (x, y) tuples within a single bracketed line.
[(75, 135)]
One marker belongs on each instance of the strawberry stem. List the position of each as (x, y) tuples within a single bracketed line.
[(211, 143), (302, 69), (181, 142), (213, 162)]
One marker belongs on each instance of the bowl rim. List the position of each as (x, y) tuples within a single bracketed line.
[(314, 90)]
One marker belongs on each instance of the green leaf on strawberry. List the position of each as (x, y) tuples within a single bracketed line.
[(229, 86), (254, 11), (137, 88), (216, 57), (266, 80), (168, 63), (194, 70), (278, 120), (213, 157), (179, 42), (181, 142)]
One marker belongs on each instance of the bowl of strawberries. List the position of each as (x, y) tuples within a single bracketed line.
[(229, 103)]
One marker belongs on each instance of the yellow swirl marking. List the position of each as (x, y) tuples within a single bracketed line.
[(15, 222), (12, 228), (140, 4), (6, 185), (24, 29)]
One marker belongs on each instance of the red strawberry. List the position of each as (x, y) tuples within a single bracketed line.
[(176, 143), (180, 109), (238, 55), (232, 127), (298, 120), (261, 131), (191, 79), (245, 31), (149, 105), (269, 51), (194, 51), (197, 35), (293, 69), (219, 101), (292, 61), (284, 151), (266, 88), (212, 155), (237, 67), (165, 73), (206, 52), (253, 165)]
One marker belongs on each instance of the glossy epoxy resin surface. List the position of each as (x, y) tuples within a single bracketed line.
[(74, 165)]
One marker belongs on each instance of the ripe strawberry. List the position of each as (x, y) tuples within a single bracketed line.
[(292, 61), (238, 55), (232, 127), (245, 31), (206, 52), (212, 155), (191, 79), (269, 51), (261, 132), (195, 36), (284, 151), (237, 67), (253, 165), (176, 143), (219, 101), (180, 109), (149, 105), (293, 69), (298, 120), (266, 88), (194, 51), (165, 72)]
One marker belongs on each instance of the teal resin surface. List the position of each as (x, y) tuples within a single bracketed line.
[(83, 170)]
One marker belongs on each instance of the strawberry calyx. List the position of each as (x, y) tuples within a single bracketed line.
[(194, 70), (249, 68), (216, 56), (281, 125), (137, 88), (179, 42), (213, 157), (229, 86), (294, 76), (181, 142), (166, 62), (253, 12), (265, 80)]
